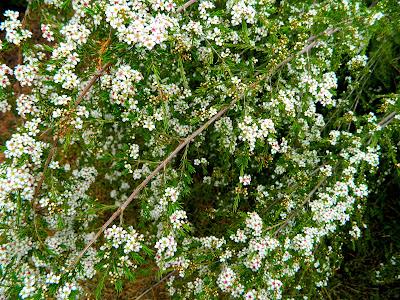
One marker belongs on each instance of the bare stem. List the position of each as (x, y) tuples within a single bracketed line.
[(155, 285), (161, 166), (179, 148), (308, 199), (386, 120), (186, 5), (66, 121)]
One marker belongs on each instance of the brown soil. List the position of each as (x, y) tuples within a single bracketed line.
[(8, 124)]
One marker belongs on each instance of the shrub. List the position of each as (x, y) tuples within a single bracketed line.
[(243, 128)]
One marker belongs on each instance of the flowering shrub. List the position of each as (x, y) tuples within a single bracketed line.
[(227, 138)]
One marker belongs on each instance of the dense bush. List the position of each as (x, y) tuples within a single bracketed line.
[(253, 132)]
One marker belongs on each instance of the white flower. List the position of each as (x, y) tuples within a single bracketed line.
[(52, 278), (4, 71), (14, 32), (133, 241), (178, 218), (172, 194), (226, 279), (47, 33), (166, 247), (254, 222), (134, 151), (245, 179)]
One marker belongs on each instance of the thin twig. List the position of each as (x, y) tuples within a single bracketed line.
[(23, 23), (20, 56), (155, 285), (66, 120), (67, 117), (164, 163), (186, 5), (311, 43), (308, 198), (178, 149), (384, 122)]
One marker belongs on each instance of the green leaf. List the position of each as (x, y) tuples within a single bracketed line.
[(118, 286), (100, 285)]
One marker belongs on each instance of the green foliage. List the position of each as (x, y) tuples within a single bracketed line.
[(292, 112)]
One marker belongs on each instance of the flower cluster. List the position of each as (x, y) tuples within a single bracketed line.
[(26, 104), (178, 218), (13, 27), (243, 10), (47, 33), (166, 247), (122, 86), (245, 179), (25, 74), (251, 131), (136, 25), (4, 71), (254, 222), (226, 279), (246, 119), (128, 240)]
